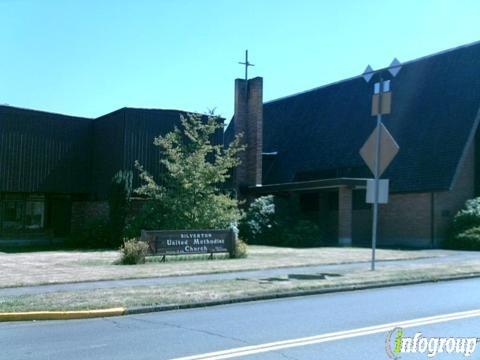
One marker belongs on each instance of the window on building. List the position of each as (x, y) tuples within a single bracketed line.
[(34, 214), (13, 215), (19, 212)]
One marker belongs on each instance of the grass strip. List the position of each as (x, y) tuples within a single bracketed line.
[(28, 269), (224, 290)]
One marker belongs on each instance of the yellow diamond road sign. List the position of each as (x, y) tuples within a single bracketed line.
[(388, 149)]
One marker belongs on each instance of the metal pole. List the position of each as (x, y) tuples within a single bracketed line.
[(246, 65), (377, 172), (246, 76)]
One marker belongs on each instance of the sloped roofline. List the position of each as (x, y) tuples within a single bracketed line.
[(359, 76), (126, 108), (160, 109), (10, 107)]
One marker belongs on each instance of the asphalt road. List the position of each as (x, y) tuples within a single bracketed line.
[(183, 333)]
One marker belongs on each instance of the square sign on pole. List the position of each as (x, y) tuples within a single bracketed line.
[(383, 185), (386, 106)]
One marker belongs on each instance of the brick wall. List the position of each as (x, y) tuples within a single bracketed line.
[(248, 120), (85, 211), (407, 218), (345, 216)]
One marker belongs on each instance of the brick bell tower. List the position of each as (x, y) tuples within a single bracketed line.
[(248, 120)]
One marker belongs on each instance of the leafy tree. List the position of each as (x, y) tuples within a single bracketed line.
[(191, 193)]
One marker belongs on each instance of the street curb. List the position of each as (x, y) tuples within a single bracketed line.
[(61, 315), (84, 314), (160, 308)]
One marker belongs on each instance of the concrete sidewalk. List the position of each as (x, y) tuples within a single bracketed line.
[(450, 257)]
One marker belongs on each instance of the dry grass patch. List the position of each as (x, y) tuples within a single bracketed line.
[(23, 269), (199, 292)]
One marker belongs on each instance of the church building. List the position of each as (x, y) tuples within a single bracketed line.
[(56, 170), (305, 147)]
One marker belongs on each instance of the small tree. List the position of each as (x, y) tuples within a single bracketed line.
[(192, 192), (120, 191)]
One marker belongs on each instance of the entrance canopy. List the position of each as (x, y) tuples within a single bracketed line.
[(356, 183), (336, 215)]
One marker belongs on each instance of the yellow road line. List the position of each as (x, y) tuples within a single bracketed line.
[(61, 315)]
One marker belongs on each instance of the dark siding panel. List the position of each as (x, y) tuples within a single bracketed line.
[(107, 150), (142, 126), (43, 152)]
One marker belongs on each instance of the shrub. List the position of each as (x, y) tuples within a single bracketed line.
[(133, 252), (94, 234), (469, 239), (300, 233), (275, 221), (258, 220), (240, 251), (463, 231), (468, 217)]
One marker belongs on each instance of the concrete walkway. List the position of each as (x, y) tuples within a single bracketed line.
[(450, 257)]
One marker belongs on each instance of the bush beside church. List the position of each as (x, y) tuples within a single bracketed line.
[(464, 233), (275, 221)]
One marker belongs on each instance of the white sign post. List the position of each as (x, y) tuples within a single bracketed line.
[(373, 152)]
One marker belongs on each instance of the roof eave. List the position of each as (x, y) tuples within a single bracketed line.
[(308, 185)]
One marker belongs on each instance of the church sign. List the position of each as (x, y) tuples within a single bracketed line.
[(185, 242)]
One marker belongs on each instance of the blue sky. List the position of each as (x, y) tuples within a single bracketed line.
[(88, 57)]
